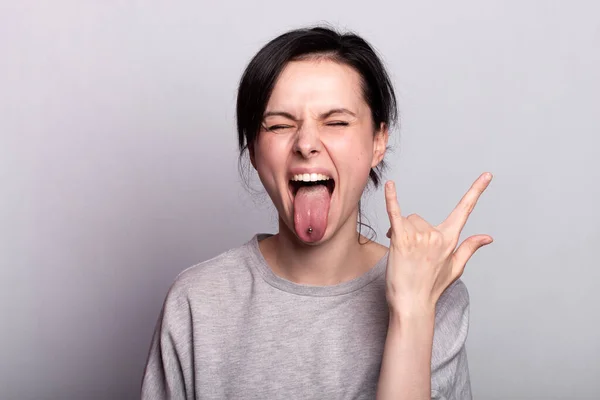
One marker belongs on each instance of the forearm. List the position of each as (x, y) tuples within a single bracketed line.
[(406, 364)]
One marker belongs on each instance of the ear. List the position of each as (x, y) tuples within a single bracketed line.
[(252, 155), (380, 141)]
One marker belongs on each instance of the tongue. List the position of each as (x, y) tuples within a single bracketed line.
[(311, 208)]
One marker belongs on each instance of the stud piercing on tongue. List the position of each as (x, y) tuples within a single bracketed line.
[(309, 231)]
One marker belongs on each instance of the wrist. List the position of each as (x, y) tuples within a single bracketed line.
[(412, 317), (422, 312), (412, 326)]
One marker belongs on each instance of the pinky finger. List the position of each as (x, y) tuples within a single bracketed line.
[(392, 206)]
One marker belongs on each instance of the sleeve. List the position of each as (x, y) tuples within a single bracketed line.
[(449, 368), (169, 371)]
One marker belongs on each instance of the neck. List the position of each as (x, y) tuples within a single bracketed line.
[(339, 259)]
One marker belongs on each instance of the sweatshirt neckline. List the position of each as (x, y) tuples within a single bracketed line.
[(260, 264)]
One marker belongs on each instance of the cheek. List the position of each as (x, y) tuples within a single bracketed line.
[(357, 154), (353, 159), (270, 159), (265, 155)]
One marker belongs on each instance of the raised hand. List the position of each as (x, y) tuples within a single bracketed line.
[(423, 260)]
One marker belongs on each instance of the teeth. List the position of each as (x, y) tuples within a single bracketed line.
[(310, 177)]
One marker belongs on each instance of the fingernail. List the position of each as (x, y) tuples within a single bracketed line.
[(487, 177)]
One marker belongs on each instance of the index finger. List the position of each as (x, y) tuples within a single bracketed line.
[(459, 216), (392, 206)]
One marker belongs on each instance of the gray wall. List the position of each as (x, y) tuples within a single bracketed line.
[(118, 170)]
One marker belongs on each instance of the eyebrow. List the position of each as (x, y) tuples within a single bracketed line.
[(322, 116)]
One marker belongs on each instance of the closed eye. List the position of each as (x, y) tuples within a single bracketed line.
[(276, 127), (337, 123)]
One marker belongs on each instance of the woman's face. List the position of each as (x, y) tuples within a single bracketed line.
[(317, 122)]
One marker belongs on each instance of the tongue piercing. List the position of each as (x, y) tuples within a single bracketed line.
[(309, 231)]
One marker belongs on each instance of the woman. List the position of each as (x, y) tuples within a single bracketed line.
[(318, 311)]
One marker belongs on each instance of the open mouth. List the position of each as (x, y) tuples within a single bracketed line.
[(295, 185), (312, 194)]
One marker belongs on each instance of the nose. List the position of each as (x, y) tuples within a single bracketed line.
[(308, 141)]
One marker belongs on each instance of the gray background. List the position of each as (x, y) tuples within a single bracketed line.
[(118, 169)]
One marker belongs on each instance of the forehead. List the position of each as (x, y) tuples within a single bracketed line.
[(317, 85)]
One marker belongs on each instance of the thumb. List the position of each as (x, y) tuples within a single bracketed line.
[(466, 250)]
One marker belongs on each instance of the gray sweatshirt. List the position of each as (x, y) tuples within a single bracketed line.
[(232, 329)]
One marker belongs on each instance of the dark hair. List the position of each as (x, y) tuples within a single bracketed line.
[(258, 80)]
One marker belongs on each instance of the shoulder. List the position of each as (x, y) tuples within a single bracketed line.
[(210, 280), (451, 322), (452, 314), (454, 302), (221, 267), (449, 366)]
